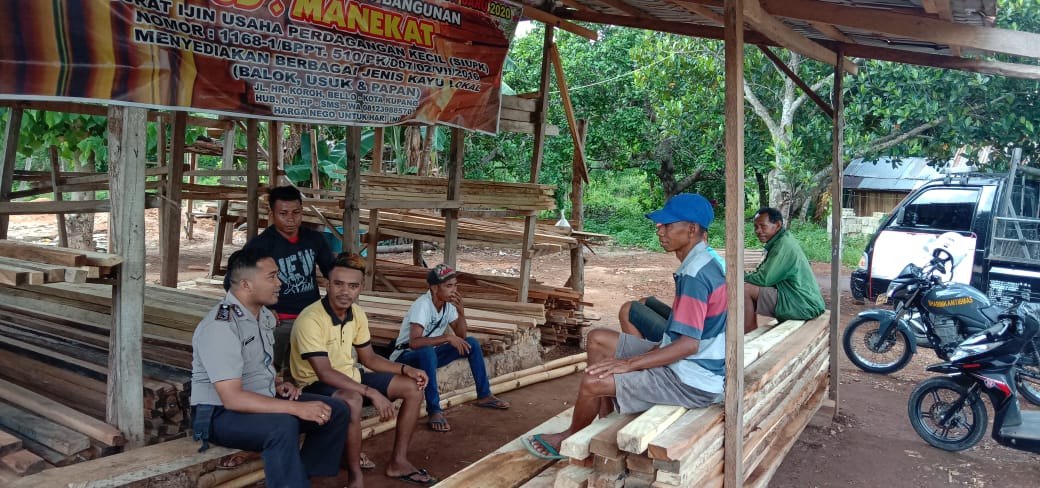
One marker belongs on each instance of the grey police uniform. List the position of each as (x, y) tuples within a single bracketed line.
[(230, 343)]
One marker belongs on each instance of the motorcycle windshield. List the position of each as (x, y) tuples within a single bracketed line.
[(908, 275)]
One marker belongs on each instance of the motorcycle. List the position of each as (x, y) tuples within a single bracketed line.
[(948, 411), (934, 313)]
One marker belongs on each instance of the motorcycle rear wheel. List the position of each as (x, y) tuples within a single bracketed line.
[(1027, 373), (933, 400), (867, 352)]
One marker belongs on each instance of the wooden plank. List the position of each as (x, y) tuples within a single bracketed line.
[(787, 37), (572, 476), (519, 103), (17, 276), (127, 146), (159, 462), (23, 463), (170, 213), (510, 465), (837, 161), (252, 177), (51, 273), (552, 20), (7, 162), (63, 234), (526, 128), (636, 436), (577, 445), (46, 432), (42, 254), (9, 443), (568, 109), (605, 442)]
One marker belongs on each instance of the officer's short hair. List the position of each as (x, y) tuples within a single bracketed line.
[(771, 213), (286, 193), (350, 260), (244, 260)]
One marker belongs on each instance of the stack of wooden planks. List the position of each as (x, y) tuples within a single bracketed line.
[(30, 264), (476, 194), (518, 115), (785, 383), (557, 310)]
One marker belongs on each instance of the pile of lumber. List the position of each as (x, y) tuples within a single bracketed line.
[(476, 194), (557, 310), (785, 383), (30, 264), (518, 115)]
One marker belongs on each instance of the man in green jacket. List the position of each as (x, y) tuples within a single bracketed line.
[(783, 286)]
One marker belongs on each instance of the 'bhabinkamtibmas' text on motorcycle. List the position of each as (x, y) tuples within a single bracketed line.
[(934, 313)]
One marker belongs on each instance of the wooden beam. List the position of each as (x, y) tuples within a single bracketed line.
[(919, 27), (787, 37), (733, 456), (127, 147), (568, 109), (701, 10), (63, 232), (831, 32), (837, 166), (352, 212), (779, 63), (252, 178), (550, 19), (577, 220), (170, 226), (11, 134), (274, 152), (1024, 71), (378, 144), (373, 244), (456, 174), (624, 7)]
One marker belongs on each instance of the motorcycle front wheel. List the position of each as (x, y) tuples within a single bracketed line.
[(872, 353), (1027, 373), (946, 416)]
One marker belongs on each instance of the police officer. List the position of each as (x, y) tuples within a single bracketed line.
[(235, 402)]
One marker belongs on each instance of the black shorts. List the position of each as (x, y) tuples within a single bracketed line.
[(377, 381)]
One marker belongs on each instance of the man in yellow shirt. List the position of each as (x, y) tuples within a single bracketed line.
[(323, 338)]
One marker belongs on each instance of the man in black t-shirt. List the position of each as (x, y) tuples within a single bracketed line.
[(298, 251)]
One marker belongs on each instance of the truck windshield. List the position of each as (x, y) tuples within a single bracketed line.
[(939, 210)]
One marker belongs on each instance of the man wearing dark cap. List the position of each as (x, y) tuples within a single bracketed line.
[(687, 367), (433, 334)]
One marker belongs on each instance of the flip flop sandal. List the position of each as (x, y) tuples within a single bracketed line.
[(494, 403), (238, 459), (411, 478), (440, 422), (529, 443), (367, 463)]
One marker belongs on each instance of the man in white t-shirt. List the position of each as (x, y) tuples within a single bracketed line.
[(433, 334)]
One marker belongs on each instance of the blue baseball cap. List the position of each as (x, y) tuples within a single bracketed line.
[(687, 207)]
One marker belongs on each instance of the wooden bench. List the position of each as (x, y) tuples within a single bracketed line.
[(785, 383)]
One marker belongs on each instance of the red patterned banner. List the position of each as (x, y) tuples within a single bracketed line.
[(353, 62)]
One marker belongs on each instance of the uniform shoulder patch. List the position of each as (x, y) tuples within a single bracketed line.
[(223, 314)]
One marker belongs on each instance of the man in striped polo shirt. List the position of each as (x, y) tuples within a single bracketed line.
[(687, 367)]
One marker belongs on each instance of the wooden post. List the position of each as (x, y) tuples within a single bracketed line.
[(189, 205), (352, 192), (274, 152), (377, 151), (63, 232), (227, 162), (170, 228), (220, 229), (577, 221), (11, 134), (837, 167), (373, 243), (733, 444), (417, 258), (531, 221), (252, 178), (315, 179), (455, 177), (127, 146)]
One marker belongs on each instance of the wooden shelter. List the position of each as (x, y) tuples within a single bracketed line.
[(937, 33)]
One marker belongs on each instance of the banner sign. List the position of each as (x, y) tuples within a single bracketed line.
[(350, 62)]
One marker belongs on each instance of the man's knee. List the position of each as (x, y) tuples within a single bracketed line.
[(282, 428), (602, 341), (351, 400), (474, 346), (624, 311), (591, 385), (750, 291)]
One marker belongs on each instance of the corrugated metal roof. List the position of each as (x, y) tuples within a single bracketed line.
[(894, 174)]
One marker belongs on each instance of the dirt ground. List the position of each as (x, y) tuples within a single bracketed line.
[(870, 444)]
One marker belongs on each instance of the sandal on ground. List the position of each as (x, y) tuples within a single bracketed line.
[(418, 477), (530, 444), (439, 424), (237, 459), (495, 403), (367, 463)]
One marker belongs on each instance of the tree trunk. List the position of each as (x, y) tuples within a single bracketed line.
[(763, 188), (781, 194), (426, 166), (413, 139), (292, 143), (80, 226)]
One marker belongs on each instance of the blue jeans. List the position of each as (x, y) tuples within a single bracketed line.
[(286, 464), (430, 358)]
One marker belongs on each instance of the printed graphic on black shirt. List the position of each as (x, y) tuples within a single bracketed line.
[(296, 271)]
